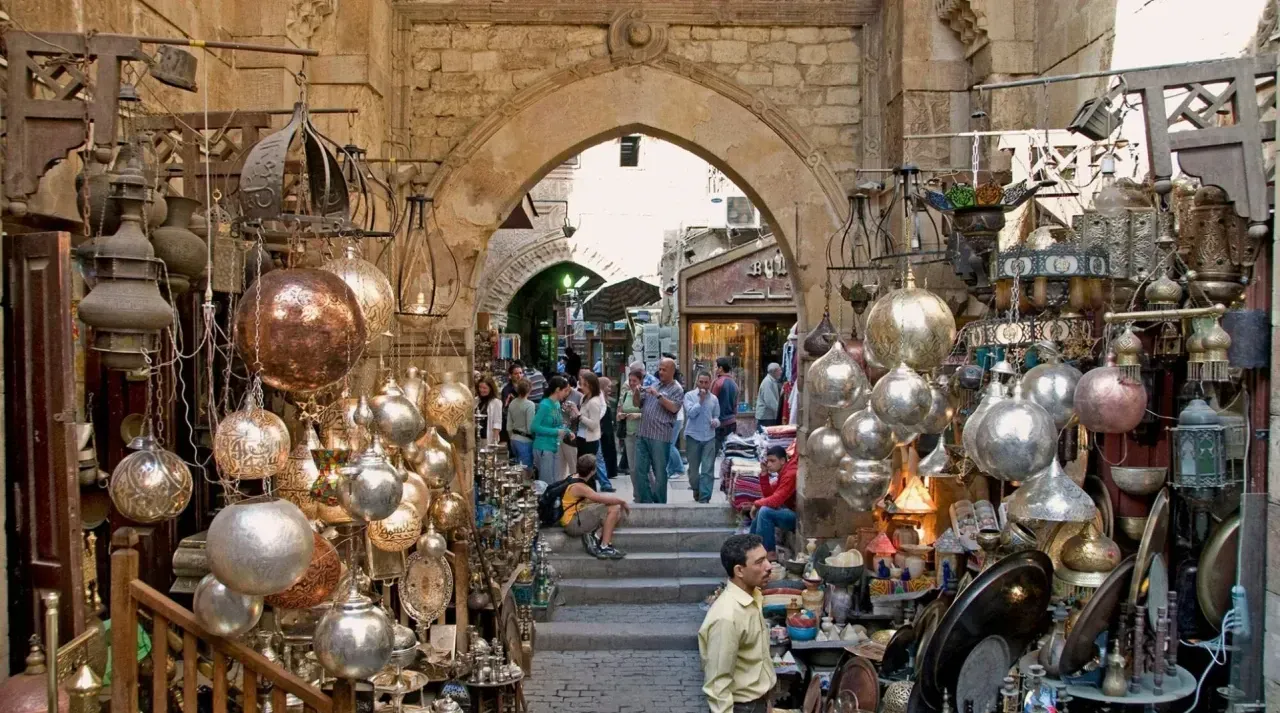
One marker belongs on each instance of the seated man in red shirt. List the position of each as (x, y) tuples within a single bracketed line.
[(777, 509)]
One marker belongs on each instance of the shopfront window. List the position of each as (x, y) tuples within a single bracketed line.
[(740, 341)]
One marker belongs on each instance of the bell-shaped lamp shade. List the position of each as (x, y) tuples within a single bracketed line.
[(1051, 496)]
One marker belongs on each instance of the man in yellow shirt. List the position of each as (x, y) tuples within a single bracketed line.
[(734, 638)]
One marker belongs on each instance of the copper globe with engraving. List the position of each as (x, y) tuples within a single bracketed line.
[(300, 329), (317, 582), (251, 444)]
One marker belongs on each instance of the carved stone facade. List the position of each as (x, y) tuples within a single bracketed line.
[(500, 283)]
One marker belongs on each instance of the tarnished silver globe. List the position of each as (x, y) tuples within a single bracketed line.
[(224, 612), (911, 326), (373, 493), (1052, 385), (866, 437), (259, 547), (396, 417), (435, 464), (863, 483), (825, 448), (354, 638), (1016, 438), (901, 397), (432, 543), (836, 381), (993, 395), (941, 408), (404, 646)]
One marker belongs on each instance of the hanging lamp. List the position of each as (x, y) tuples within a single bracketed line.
[(427, 281)]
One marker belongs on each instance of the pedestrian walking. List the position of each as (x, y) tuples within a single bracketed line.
[(659, 405), (702, 417), (769, 397), (725, 388), (733, 641)]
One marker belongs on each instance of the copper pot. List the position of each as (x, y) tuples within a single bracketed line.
[(317, 583)]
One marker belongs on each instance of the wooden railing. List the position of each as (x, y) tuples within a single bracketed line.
[(128, 594)]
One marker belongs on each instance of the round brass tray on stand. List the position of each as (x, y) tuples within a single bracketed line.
[(1096, 617)]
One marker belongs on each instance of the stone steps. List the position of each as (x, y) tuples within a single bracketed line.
[(604, 627), (580, 565), (648, 539), (682, 515), (637, 590)]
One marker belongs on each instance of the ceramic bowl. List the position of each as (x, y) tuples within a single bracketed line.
[(1138, 481), (808, 633)]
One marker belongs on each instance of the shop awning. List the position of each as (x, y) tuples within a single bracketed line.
[(610, 303)]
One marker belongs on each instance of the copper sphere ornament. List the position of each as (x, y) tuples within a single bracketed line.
[(1108, 402), (151, 484), (416, 492), (449, 512), (398, 531), (301, 329), (449, 405), (317, 583), (251, 444), (911, 326), (371, 287)]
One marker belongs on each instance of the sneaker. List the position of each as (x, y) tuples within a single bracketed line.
[(608, 489), (609, 552), (591, 543)]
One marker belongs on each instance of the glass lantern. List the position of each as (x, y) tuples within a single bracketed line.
[(1199, 453)]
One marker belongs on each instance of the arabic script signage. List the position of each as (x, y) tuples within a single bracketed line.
[(759, 279)]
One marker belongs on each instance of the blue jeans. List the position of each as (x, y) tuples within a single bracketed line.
[(767, 519), (523, 451), (675, 464), (546, 462), (702, 461), (602, 473), (651, 454)]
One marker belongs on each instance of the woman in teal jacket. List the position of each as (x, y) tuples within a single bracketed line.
[(548, 428)]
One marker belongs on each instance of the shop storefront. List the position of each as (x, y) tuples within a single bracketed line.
[(739, 304)]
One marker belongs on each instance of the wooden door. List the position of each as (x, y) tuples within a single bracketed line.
[(42, 487)]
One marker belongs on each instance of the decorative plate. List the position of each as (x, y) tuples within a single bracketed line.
[(427, 587)]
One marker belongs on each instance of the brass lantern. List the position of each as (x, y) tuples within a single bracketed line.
[(125, 308)]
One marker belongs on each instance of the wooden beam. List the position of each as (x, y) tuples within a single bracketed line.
[(721, 13)]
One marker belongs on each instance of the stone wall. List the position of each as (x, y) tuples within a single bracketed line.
[(1073, 37), (461, 73)]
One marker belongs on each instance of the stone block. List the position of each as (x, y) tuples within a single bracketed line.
[(804, 35), (432, 36), (825, 135), (452, 126), (486, 61), (585, 36), (694, 50), (437, 149), (786, 76), (843, 52), (728, 51), (801, 115), (551, 37), (777, 34), (457, 82), (813, 54), (844, 96), (506, 37), (831, 75), (837, 34), (524, 77), (498, 82), (1273, 547), (421, 122), (1011, 58), (754, 79), (813, 97), (782, 97), (455, 61), (833, 115), (680, 32), (776, 52), (705, 33), (751, 34), (529, 59), (469, 37), (425, 60), (935, 76)]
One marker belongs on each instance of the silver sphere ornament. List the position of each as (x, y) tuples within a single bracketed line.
[(836, 381), (151, 484), (261, 547), (1016, 438), (941, 408), (436, 462), (395, 417), (1052, 385), (866, 437), (432, 543), (863, 483), (372, 289), (911, 326), (375, 491), (825, 447), (224, 612), (901, 397), (969, 437), (354, 638)]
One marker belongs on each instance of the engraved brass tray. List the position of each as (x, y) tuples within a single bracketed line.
[(427, 587)]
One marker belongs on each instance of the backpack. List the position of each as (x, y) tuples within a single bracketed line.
[(551, 502)]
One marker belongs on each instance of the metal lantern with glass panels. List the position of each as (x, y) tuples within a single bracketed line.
[(1199, 453)]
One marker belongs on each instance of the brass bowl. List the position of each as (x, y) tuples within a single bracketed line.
[(1138, 481), (1132, 527)]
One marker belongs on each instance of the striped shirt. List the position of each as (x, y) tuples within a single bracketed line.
[(656, 421)]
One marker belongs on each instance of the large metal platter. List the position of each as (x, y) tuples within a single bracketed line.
[(1096, 617), (1157, 589), (1010, 597), (1153, 540), (983, 673), (897, 653), (427, 587), (925, 624), (1216, 572), (857, 682), (1097, 490)]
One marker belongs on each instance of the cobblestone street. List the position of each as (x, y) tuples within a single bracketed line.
[(616, 682)]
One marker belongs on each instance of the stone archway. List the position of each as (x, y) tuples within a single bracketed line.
[(639, 88), (499, 284)]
